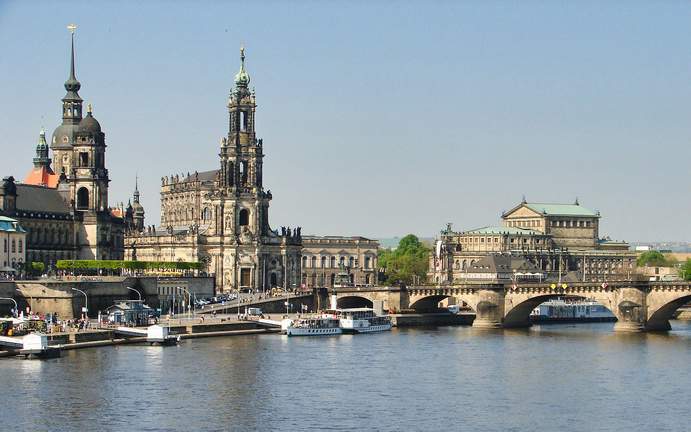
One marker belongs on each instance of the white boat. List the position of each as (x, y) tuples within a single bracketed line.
[(314, 326), (577, 310), (362, 320)]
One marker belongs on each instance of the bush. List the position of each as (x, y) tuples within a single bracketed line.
[(685, 271), (129, 265), (35, 267)]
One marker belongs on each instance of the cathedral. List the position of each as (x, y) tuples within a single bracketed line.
[(221, 217), (63, 201)]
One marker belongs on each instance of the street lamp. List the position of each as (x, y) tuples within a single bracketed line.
[(138, 293), (86, 302), (16, 307), (189, 300)]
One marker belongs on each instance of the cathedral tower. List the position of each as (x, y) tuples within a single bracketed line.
[(241, 161), (65, 135)]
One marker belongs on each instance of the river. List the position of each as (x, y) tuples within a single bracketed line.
[(551, 377)]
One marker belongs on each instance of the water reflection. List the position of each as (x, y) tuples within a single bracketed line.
[(567, 377)]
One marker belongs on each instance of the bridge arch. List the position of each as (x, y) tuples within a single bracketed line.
[(353, 301), (519, 309), (430, 303), (659, 313)]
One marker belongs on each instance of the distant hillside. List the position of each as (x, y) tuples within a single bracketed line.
[(392, 242)]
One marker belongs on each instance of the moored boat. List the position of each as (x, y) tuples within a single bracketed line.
[(362, 320), (314, 326), (571, 310)]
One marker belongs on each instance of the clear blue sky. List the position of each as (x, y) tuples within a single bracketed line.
[(379, 118)]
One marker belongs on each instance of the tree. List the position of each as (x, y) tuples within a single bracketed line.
[(653, 259), (407, 263), (685, 271)]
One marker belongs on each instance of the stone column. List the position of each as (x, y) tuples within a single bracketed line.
[(489, 309), (629, 306)]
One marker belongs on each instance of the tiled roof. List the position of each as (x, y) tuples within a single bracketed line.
[(502, 230), (40, 199), (204, 176), (42, 176), (562, 209)]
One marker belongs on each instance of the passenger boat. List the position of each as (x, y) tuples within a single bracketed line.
[(562, 310), (362, 320), (314, 326)]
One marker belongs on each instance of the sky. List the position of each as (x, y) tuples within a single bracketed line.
[(378, 118)]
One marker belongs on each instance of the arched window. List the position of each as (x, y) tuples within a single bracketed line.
[(206, 214), (244, 217), (367, 262), (314, 262), (333, 262), (351, 262), (323, 265), (304, 262), (243, 172), (83, 198)]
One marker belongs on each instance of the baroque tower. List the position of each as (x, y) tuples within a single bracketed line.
[(241, 161)]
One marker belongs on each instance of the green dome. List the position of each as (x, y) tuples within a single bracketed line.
[(242, 78)]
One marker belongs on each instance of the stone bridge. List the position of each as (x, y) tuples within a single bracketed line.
[(638, 305)]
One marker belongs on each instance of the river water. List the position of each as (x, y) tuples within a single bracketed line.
[(562, 377)]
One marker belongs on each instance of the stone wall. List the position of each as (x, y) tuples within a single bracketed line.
[(51, 295)]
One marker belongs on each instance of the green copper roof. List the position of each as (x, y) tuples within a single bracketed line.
[(10, 225), (502, 230), (242, 79), (562, 209)]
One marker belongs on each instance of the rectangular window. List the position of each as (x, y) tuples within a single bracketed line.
[(20, 246), (4, 249)]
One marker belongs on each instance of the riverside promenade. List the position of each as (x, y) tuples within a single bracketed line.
[(197, 327)]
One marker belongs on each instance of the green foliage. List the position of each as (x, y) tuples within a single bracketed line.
[(685, 271), (407, 263), (35, 267), (654, 259), (130, 265)]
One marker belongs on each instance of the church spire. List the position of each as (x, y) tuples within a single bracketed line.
[(242, 78), (136, 189), (72, 85), (72, 102)]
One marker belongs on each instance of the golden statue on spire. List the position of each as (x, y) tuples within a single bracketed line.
[(72, 27)]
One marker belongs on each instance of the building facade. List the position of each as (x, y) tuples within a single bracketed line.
[(558, 239), (221, 218), (322, 258), (13, 244), (66, 215)]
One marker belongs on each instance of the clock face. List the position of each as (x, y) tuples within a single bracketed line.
[(65, 139)]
